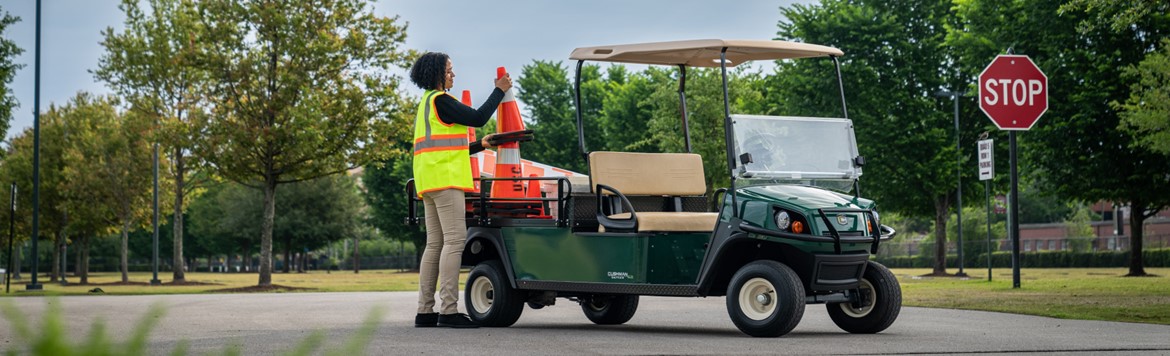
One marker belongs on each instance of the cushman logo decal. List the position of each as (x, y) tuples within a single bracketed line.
[(842, 219), (619, 275)]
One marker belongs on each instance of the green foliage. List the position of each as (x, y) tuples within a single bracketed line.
[(1080, 228), (1146, 113), (8, 52), (547, 93), (53, 339), (313, 214), (300, 90), (1085, 70), (1116, 15), (895, 60), (1043, 259), (148, 66)]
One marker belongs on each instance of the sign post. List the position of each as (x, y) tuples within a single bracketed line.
[(986, 173), (1013, 92)]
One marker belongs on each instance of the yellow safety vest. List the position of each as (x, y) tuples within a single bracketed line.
[(441, 156)]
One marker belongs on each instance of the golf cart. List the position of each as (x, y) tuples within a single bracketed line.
[(790, 229)]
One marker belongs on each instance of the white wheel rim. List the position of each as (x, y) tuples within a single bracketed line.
[(866, 290), (757, 299), (482, 294)]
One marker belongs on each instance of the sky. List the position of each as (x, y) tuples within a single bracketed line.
[(478, 36)]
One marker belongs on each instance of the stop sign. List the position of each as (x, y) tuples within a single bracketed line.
[(1013, 92)]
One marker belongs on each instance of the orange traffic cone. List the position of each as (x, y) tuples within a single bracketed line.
[(470, 139), (533, 191), (508, 154)]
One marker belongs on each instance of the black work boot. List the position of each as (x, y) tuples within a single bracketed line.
[(458, 320), (426, 320)]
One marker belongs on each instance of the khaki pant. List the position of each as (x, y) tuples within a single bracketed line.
[(446, 233)]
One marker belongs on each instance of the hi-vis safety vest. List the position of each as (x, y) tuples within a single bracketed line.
[(441, 156)]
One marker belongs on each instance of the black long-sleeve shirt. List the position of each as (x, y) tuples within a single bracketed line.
[(452, 111)]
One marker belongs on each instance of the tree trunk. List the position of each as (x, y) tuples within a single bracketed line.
[(1137, 217), (85, 259), (56, 269), (16, 262), (179, 274), (125, 265), (77, 255), (357, 258), (941, 213), (287, 255), (266, 232)]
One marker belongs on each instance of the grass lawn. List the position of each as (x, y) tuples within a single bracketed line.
[(204, 282), (1072, 293)]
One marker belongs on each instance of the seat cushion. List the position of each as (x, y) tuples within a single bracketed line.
[(671, 221)]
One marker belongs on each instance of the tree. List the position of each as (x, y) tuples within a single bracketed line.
[(547, 93), (146, 66), (1146, 113), (299, 90), (626, 111), (1081, 134), (895, 60), (110, 161), (1079, 226), (18, 168), (8, 51), (384, 186)]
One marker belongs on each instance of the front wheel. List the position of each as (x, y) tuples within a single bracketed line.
[(765, 299), (610, 309), (879, 302), (490, 300)]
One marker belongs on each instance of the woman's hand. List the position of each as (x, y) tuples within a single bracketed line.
[(486, 140), (504, 83)]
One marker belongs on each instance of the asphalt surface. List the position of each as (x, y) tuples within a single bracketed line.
[(276, 323)]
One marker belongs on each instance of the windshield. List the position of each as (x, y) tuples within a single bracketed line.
[(801, 149)]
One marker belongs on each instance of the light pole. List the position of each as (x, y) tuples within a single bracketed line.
[(36, 193), (954, 95)]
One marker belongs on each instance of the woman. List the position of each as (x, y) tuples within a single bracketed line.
[(442, 173)]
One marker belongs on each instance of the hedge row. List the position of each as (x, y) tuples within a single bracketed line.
[(1150, 258)]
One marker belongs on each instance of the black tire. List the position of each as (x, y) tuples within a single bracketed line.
[(488, 297), (765, 299), (610, 309), (881, 302)]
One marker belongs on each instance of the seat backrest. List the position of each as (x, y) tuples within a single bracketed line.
[(670, 174)]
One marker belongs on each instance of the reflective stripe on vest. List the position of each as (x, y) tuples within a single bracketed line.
[(441, 159)]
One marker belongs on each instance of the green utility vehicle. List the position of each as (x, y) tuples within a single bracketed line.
[(790, 229)]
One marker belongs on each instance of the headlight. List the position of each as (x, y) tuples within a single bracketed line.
[(875, 217), (783, 220)]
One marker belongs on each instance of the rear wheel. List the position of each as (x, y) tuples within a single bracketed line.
[(765, 299), (610, 309), (490, 300), (880, 301)]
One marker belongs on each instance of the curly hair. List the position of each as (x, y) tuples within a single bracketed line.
[(429, 70)]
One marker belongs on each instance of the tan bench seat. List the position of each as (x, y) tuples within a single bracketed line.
[(671, 221), (656, 175)]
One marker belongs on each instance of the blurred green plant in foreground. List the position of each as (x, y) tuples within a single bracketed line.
[(52, 338)]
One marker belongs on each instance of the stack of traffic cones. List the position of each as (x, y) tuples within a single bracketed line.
[(475, 158), (508, 154)]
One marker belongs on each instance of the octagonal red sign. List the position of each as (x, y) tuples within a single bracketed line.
[(1013, 92)]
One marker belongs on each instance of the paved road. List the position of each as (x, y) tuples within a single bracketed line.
[(273, 323)]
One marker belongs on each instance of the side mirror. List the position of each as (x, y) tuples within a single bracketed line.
[(745, 158)]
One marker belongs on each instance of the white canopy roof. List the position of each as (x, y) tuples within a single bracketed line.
[(702, 53)]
